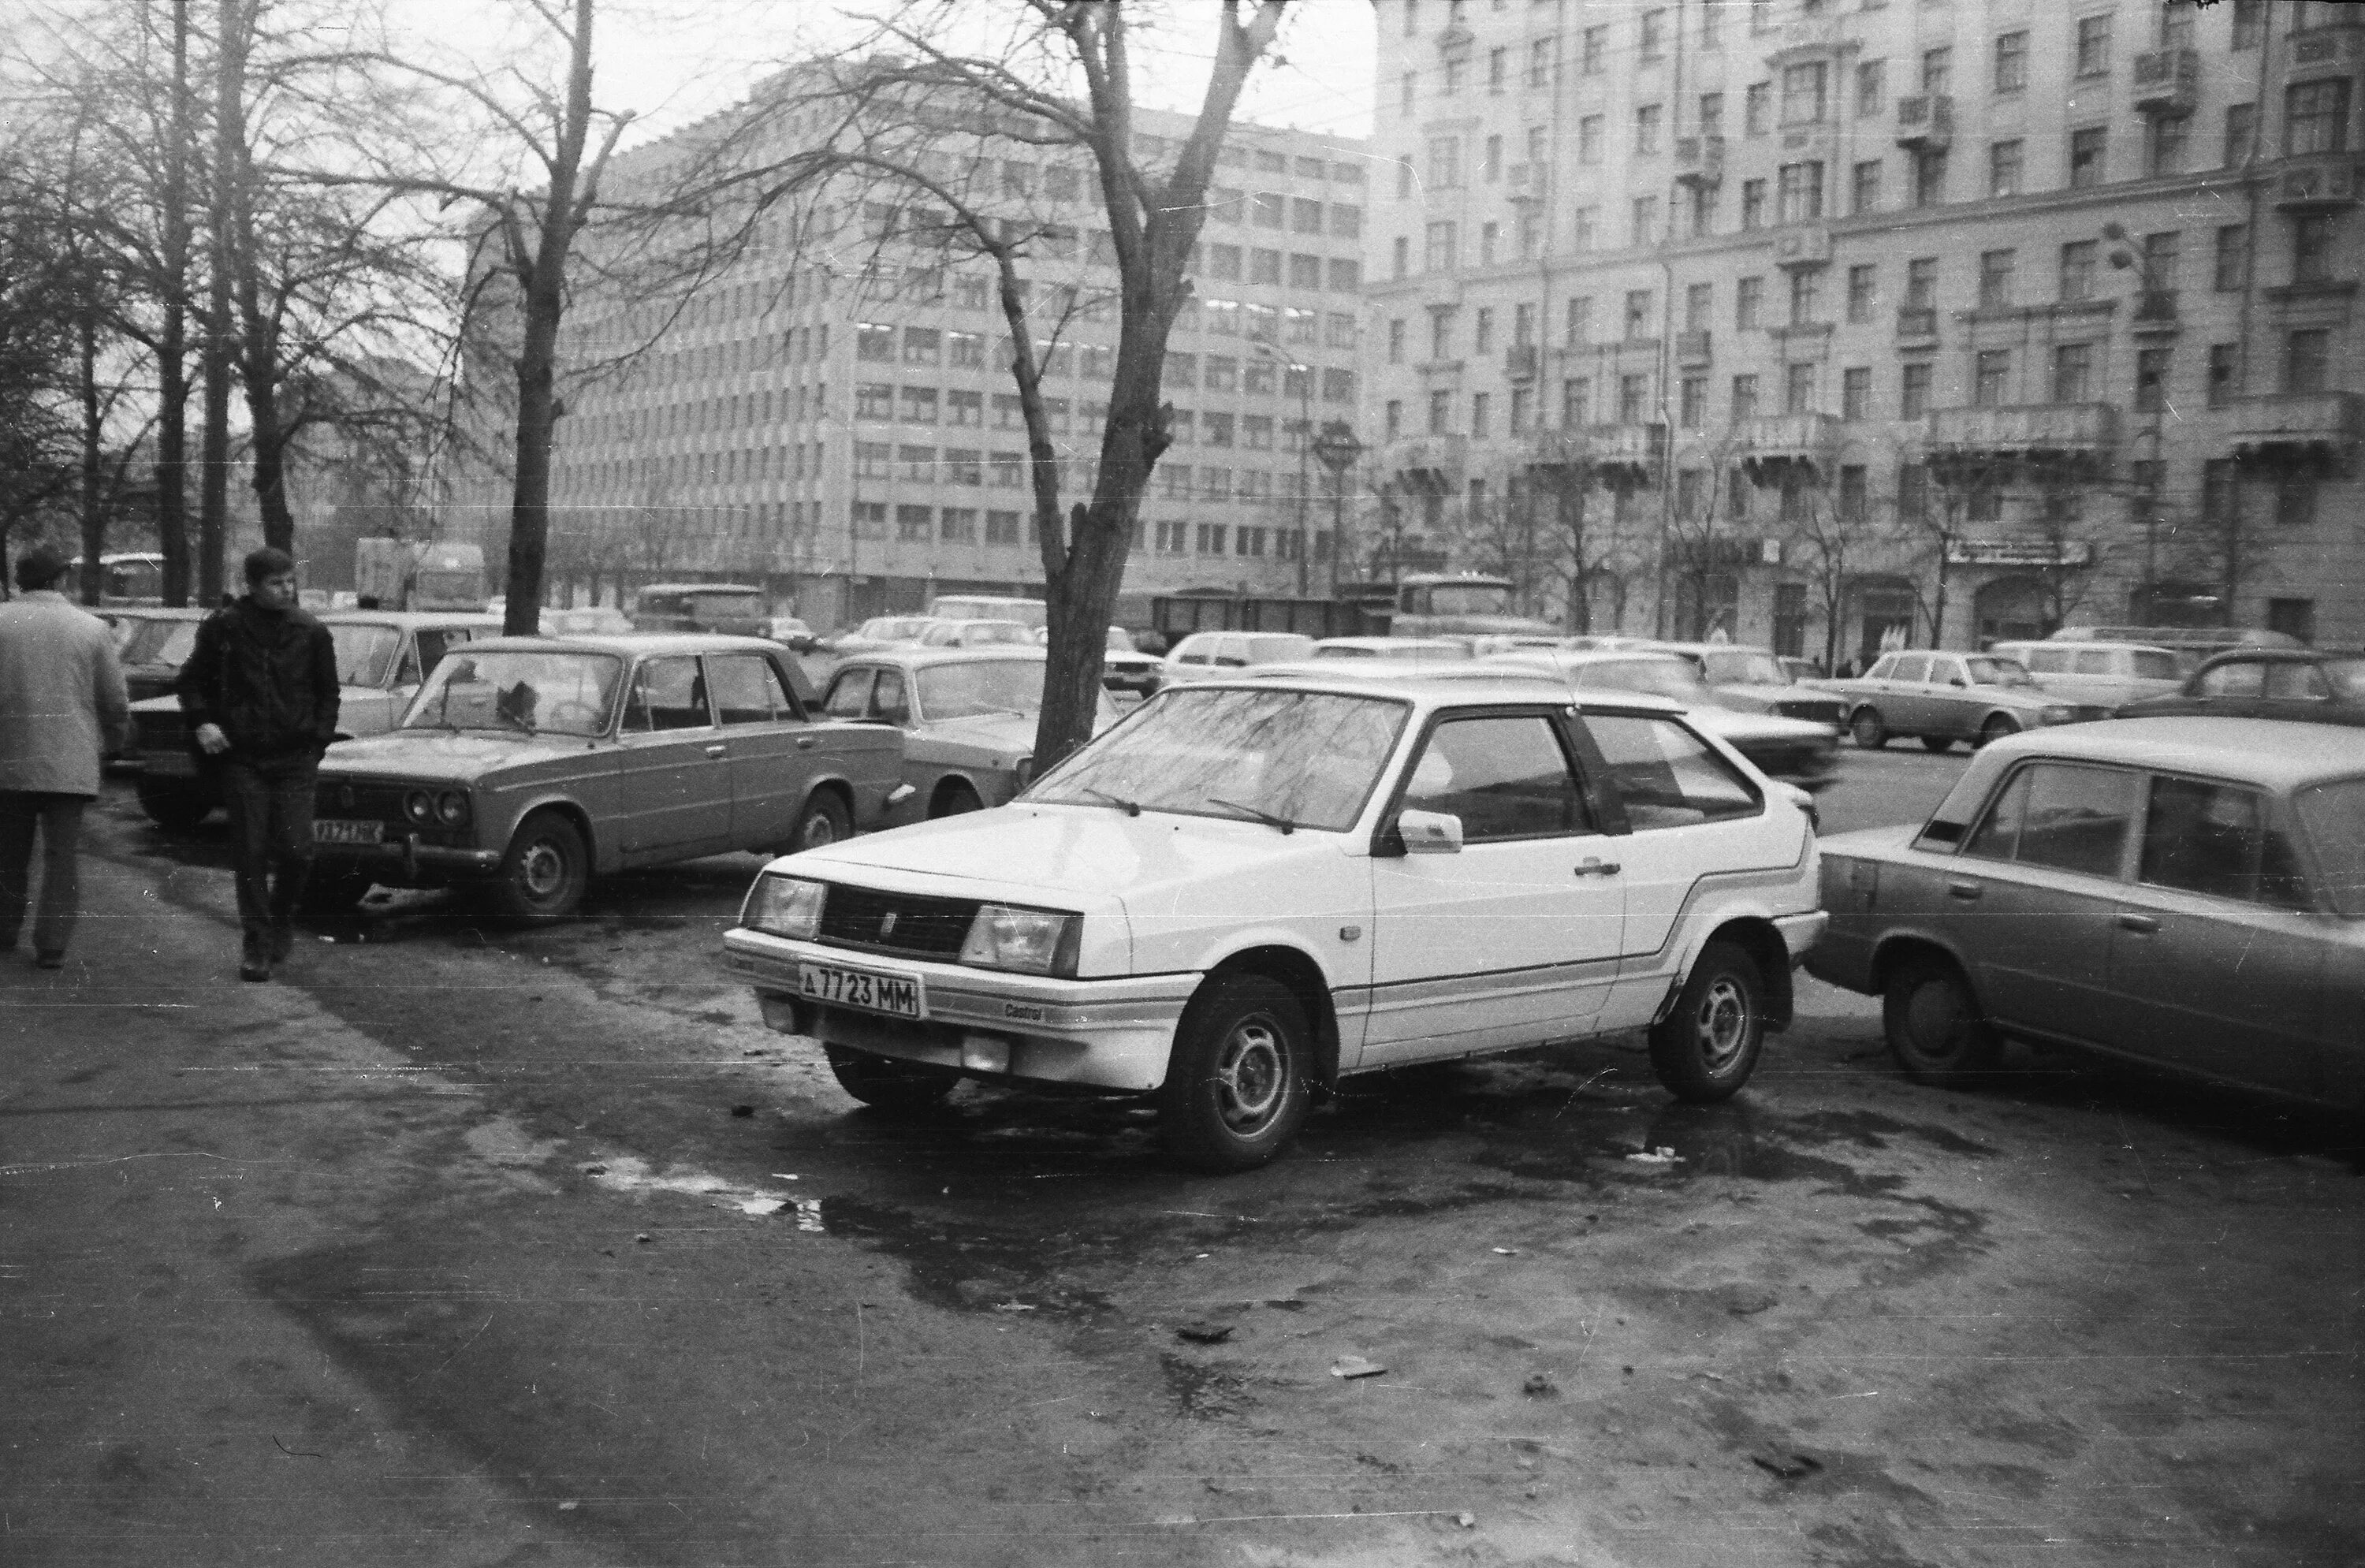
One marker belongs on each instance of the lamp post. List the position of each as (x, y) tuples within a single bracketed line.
[(1338, 450), (1304, 440), (2125, 256)]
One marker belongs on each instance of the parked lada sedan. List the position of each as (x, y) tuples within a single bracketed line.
[(2185, 892), (1752, 680), (1942, 698), (967, 716), (382, 655), (1796, 751), (1252, 889), (530, 765)]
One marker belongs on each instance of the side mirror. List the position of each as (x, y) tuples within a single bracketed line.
[(1429, 833)]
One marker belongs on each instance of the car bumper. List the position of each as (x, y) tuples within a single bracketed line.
[(1107, 1033), (1801, 932), (406, 861)]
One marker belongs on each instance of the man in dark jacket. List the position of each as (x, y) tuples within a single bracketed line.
[(260, 693)]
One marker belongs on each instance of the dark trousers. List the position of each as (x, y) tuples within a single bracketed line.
[(57, 820), (271, 831)]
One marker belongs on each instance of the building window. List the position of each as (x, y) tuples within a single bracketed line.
[(1590, 138), (1440, 332), (1001, 528), (2232, 271), (1855, 493), (1913, 390), (1498, 68), (1482, 330), (2151, 380), (1595, 45), (2307, 360), (2312, 248), (2073, 371), (2241, 133), (1937, 68), (1633, 399), (1703, 211), (2224, 372), (1693, 402), (1801, 192), (1869, 87), (2221, 492), (1394, 415), (2093, 46), (1929, 177), (2011, 62), (1699, 302), (1580, 228), (917, 523), (2004, 167), (1861, 292), (2296, 501), (1866, 196), (965, 409), (1577, 328), (1481, 404), (2165, 141), (1640, 312), (1711, 114), (1646, 129), (1655, 36), (2078, 271), (1855, 392), (2087, 150), (1440, 256), (1444, 162), (1798, 389), (1806, 296), (2249, 23), (1992, 377), (1396, 340), (1745, 397), (1757, 108), (1711, 27), (1995, 279), (1912, 492), (1540, 62), (957, 525), (1577, 402), (1804, 93), (1441, 413), (1489, 236), (1748, 300), (1753, 203)]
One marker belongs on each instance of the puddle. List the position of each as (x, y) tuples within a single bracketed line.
[(627, 1173)]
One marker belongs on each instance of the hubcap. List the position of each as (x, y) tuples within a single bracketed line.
[(819, 831), (1721, 1025), (1937, 1019), (544, 869), (1251, 1076)]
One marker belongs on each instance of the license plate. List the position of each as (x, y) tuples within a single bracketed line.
[(899, 996), (348, 832)]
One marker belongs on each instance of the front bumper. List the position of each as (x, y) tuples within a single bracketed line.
[(1108, 1034), (406, 862)]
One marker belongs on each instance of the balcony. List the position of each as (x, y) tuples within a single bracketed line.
[(2318, 182), (1700, 161), (2326, 428), (2026, 432), (2156, 311), (1808, 37), (1520, 362), (1925, 123), (1917, 323), (1626, 456), (1430, 465), (1557, 456), (1772, 447), (2167, 81), (1692, 348), (1797, 246)]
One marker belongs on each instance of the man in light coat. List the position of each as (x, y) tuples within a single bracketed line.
[(63, 708)]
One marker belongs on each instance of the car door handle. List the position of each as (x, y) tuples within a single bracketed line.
[(716, 750), (1968, 892), (1599, 868), (2142, 924)]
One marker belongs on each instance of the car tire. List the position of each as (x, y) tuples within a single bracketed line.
[(887, 1083), (1938, 743), (175, 807), (1996, 729), (1237, 1088), (823, 821), (1866, 729), (1933, 1024), (953, 801), (1707, 1045), (543, 875)]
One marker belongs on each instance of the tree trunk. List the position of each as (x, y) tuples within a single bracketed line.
[(93, 516), (213, 493), (171, 349)]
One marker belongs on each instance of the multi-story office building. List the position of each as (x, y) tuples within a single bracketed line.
[(1875, 320), (837, 418)]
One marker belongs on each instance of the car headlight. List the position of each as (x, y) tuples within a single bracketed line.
[(419, 806), (2056, 713), (785, 906), (1033, 941), (451, 808)]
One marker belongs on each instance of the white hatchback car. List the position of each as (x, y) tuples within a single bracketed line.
[(1250, 890)]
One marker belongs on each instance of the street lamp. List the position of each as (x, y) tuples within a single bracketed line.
[(2154, 304), (1304, 440), (1338, 449)]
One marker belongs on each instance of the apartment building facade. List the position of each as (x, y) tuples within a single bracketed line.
[(835, 418), (1836, 323)]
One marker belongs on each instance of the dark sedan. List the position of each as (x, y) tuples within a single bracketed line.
[(2317, 685), (2184, 893)]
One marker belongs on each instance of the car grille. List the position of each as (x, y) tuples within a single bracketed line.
[(351, 801), (922, 928), (1823, 710)]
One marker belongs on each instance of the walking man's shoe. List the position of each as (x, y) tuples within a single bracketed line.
[(50, 958), (255, 962)]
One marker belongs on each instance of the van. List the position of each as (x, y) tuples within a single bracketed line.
[(2108, 675), (733, 608)]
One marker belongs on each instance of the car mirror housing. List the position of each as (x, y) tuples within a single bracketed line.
[(1429, 833)]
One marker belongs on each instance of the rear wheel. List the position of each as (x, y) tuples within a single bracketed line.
[(543, 875), (823, 821), (886, 1083), (1236, 1089), (1934, 1025), (1705, 1050), (1938, 743), (1867, 729), (174, 805), (1996, 729)]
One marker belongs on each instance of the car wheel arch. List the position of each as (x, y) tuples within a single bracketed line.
[(1759, 937), (577, 817), (947, 784), (1298, 970), (1903, 947)]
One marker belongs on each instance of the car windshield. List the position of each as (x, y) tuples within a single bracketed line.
[(364, 652), (161, 643), (520, 690), (1661, 677), (1470, 599), (989, 686), (1744, 669), (1307, 758), (1998, 672), (2332, 816)]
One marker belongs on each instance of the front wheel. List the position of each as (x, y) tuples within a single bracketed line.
[(175, 806), (1934, 1025), (1996, 729), (1705, 1050), (823, 821), (887, 1084), (1867, 729), (956, 800), (1236, 1089), (545, 871)]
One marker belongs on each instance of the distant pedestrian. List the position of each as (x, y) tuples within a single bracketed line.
[(63, 709), (260, 693)]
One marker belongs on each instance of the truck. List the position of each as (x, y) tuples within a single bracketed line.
[(404, 574), (1422, 604)]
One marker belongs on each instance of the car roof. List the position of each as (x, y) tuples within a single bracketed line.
[(1567, 656), (407, 619), (2083, 645), (1371, 642), (1435, 686), (919, 658), (698, 587), (2276, 752), (650, 644), (2275, 656), (1708, 648)]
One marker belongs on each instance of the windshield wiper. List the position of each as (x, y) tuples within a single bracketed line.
[(1130, 808), (1265, 817)]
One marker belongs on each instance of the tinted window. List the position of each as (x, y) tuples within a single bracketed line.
[(667, 694), (1505, 778), (850, 695), (2213, 839), (747, 690), (2061, 816), (2242, 679), (1667, 776), (2333, 817)]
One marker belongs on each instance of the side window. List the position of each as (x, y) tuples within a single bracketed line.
[(2296, 680), (2096, 661), (887, 703), (1946, 672), (667, 694), (850, 695), (1195, 650), (2049, 661), (2213, 839), (1883, 669), (432, 644), (2063, 817), (1232, 652), (1667, 776), (1910, 667), (2241, 678), (745, 690), (1505, 778)]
